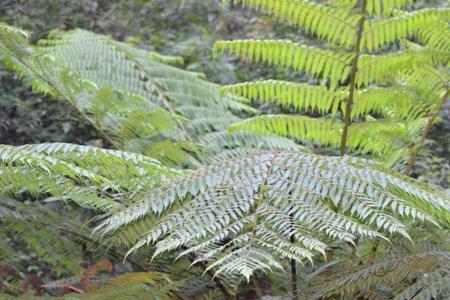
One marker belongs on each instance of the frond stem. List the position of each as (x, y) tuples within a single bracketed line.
[(416, 149), (353, 72)]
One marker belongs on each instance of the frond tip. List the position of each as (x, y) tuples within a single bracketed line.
[(239, 214)]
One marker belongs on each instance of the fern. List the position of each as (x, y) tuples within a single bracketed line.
[(143, 106), (358, 81), (235, 213)]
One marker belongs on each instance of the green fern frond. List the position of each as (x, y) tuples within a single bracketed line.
[(387, 134), (79, 173), (284, 53), (386, 7), (402, 102), (289, 94), (377, 68), (336, 25), (436, 37), (322, 131), (239, 214), (379, 33)]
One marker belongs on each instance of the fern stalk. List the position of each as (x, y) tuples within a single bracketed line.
[(426, 131), (294, 274), (352, 89)]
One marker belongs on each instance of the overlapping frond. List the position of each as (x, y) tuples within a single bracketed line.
[(86, 175), (404, 102), (238, 215)]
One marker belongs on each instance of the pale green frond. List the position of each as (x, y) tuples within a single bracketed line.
[(289, 94), (284, 53), (247, 140), (387, 135), (436, 37), (239, 214)]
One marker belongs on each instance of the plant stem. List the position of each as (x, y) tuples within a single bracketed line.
[(294, 274), (416, 149), (293, 263), (353, 72)]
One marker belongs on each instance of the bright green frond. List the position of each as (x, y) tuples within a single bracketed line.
[(381, 32), (289, 94), (393, 102), (284, 53), (337, 26), (386, 7), (322, 131)]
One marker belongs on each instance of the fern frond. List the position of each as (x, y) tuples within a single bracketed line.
[(239, 214), (335, 25), (289, 94), (437, 38), (402, 102), (379, 33), (387, 134), (79, 173), (284, 53), (376, 68), (386, 7), (322, 131)]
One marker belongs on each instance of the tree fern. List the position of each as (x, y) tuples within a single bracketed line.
[(235, 213), (357, 80), (143, 106)]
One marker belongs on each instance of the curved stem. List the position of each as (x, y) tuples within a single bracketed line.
[(353, 72), (416, 149)]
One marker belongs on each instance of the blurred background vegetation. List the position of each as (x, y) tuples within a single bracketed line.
[(177, 27)]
